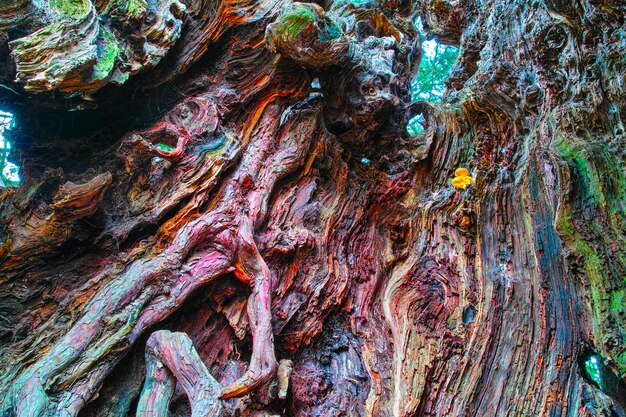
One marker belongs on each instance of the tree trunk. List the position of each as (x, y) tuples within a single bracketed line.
[(222, 213)]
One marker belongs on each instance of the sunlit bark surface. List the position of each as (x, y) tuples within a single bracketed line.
[(222, 213)]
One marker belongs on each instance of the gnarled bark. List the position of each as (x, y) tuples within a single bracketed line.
[(271, 208)]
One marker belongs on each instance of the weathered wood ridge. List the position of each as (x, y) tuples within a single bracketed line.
[(226, 188)]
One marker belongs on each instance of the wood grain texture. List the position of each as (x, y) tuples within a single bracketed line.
[(245, 228)]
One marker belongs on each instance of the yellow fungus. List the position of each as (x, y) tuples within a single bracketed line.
[(462, 179), (461, 172)]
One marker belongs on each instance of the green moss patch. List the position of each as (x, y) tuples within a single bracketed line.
[(71, 8), (108, 51)]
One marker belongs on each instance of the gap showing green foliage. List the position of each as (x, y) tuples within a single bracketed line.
[(592, 367), (415, 127), (435, 68), (9, 172), (429, 83)]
